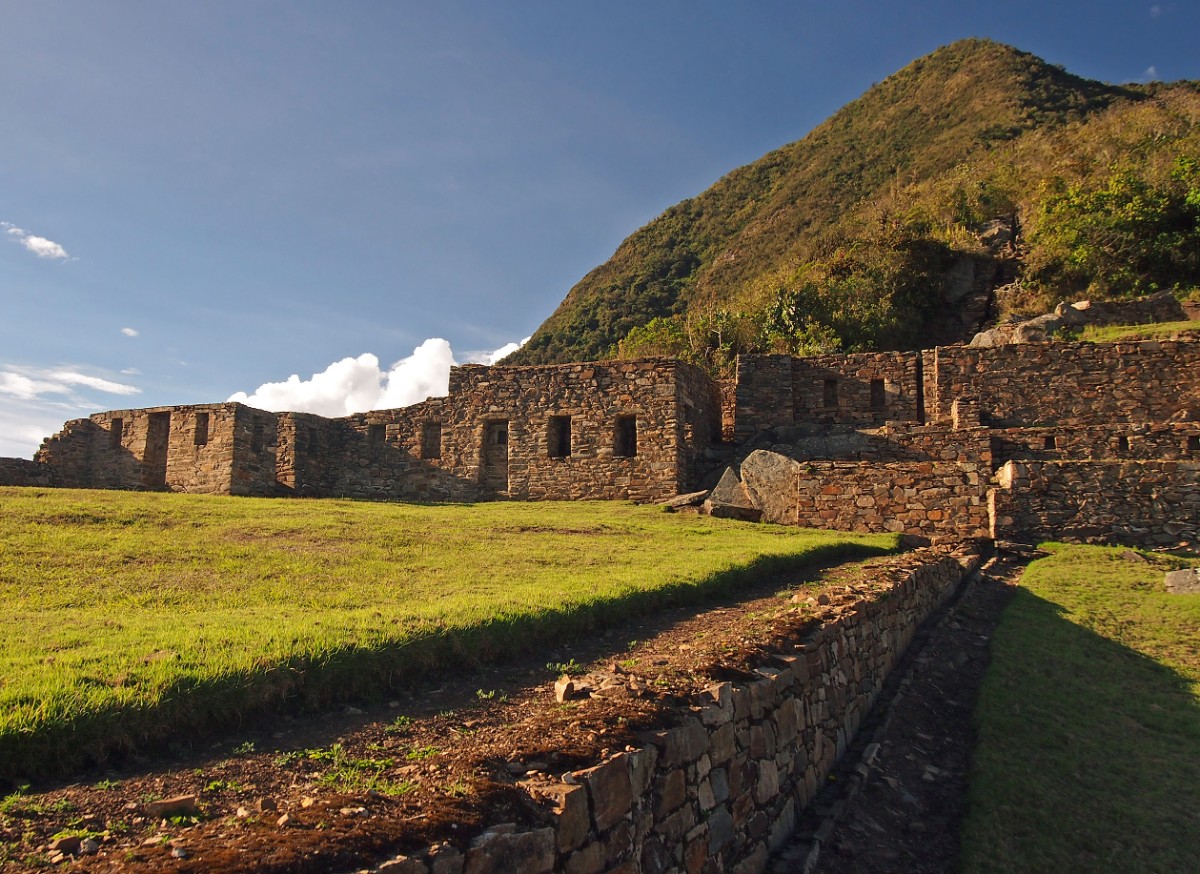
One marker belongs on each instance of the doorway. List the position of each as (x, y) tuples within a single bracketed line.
[(494, 473)]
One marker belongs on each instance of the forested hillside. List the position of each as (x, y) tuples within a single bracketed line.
[(892, 224)]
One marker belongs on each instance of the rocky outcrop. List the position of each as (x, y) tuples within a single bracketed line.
[(1160, 307)]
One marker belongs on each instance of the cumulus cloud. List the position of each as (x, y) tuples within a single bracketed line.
[(39, 246), (31, 383), (129, 332), (355, 385)]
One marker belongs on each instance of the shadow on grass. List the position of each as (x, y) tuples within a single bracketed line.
[(1089, 752), (306, 683)]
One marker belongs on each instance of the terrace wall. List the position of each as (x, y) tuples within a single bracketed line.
[(1034, 385), (724, 789), (1139, 503)]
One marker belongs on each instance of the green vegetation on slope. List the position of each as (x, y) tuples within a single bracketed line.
[(129, 616), (842, 240), (1088, 756)]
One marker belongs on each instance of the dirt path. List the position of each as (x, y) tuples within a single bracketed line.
[(898, 798)]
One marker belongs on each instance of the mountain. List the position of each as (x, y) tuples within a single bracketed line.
[(894, 222)]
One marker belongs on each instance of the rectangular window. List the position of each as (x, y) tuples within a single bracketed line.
[(1123, 443), (201, 437), (256, 438), (830, 393), (625, 437), (558, 437), (878, 395), (1050, 442), (116, 432), (376, 434), (431, 440), (1194, 443)]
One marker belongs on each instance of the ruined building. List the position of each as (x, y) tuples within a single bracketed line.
[(1093, 441)]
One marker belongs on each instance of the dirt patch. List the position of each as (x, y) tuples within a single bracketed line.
[(351, 789)]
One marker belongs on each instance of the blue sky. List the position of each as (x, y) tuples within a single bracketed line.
[(201, 199)]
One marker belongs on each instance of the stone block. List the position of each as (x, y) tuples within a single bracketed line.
[(570, 810), (527, 852), (610, 790)]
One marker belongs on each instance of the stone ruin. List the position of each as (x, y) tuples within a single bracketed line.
[(1020, 442)]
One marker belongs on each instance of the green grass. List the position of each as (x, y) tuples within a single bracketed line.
[(128, 617), (1089, 723), (1157, 331)]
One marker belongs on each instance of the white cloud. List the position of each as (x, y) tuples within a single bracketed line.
[(491, 358), (355, 385), (39, 246), (30, 383), (34, 402), (44, 248), (1155, 11), (1151, 74), (129, 332), (23, 425)]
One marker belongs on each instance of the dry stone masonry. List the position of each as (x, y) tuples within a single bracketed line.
[(722, 790), (1021, 441)]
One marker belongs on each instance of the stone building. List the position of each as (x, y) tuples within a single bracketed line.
[(625, 429), (1095, 441)]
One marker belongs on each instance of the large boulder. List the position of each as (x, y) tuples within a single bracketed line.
[(729, 499), (769, 480)]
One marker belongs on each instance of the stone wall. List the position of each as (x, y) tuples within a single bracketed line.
[(23, 472), (893, 442), (723, 789), (941, 500), (1067, 383), (1138, 503), (1162, 441), (635, 430), (859, 389)]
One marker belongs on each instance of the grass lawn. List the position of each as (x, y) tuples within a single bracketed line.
[(130, 617), (1157, 331), (1089, 723)]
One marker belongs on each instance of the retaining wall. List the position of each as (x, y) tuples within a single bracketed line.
[(1138, 503), (1030, 385), (723, 789)]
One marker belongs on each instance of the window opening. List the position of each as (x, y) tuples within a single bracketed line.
[(501, 432), (625, 437), (1194, 443), (1050, 442), (201, 437), (1123, 443), (558, 437), (116, 432), (376, 434), (431, 440), (878, 395), (830, 393)]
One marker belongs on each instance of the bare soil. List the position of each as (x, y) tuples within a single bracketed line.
[(348, 790)]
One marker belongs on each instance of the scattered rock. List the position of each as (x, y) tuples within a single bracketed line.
[(179, 805), (68, 846), (1184, 582)]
